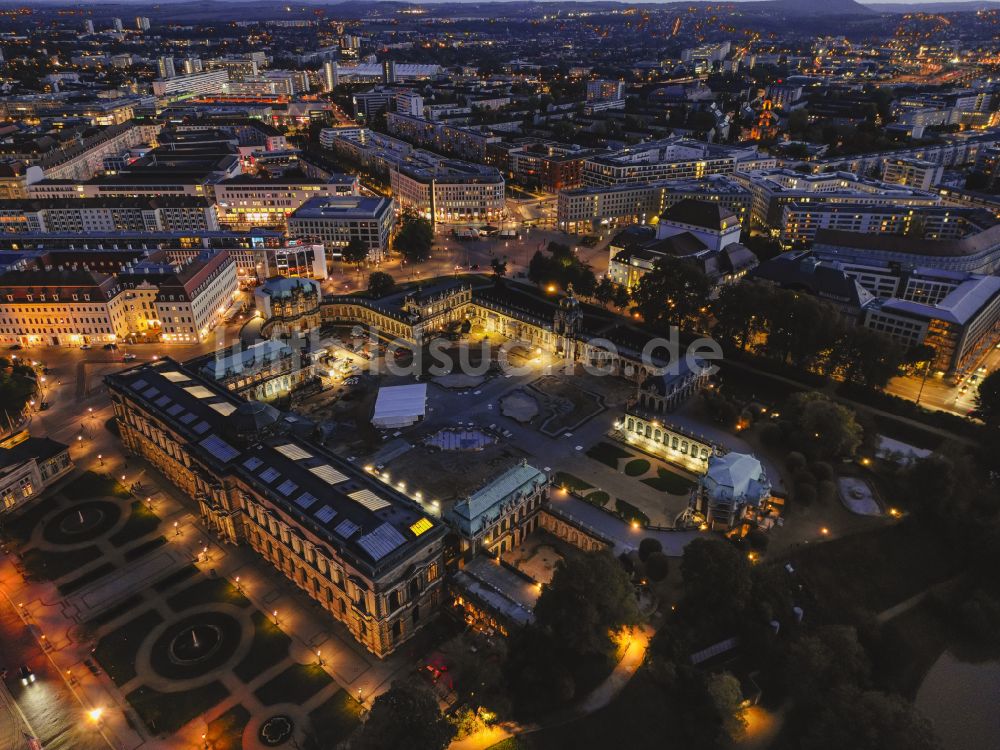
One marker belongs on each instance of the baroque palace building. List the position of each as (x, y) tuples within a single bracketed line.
[(367, 554)]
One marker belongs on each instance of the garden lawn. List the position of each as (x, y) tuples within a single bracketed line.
[(608, 454), (141, 521), (270, 646), (630, 513), (144, 549), (297, 684), (50, 566), (570, 482), (666, 481), (334, 720), (599, 498), (115, 612), (182, 574), (117, 650), (226, 732), (90, 576), (20, 527), (168, 712), (207, 591), (90, 484), (637, 467), (874, 569)]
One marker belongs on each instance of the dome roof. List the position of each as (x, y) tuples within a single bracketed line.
[(253, 416)]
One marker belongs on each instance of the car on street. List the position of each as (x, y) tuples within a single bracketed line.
[(14, 347), (85, 347), (128, 357), (26, 675)]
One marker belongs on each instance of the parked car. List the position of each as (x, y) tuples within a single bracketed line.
[(14, 347), (85, 346), (128, 357), (26, 675)]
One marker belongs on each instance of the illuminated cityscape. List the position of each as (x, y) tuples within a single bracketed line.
[(513, 376)]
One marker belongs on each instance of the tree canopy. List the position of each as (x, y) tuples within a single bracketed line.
[(406, 715), (590, 595), (670, 294), (822, 428), (380, 284), (415, 237), (355, 252)]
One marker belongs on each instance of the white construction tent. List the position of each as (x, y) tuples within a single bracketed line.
[(400, 406)]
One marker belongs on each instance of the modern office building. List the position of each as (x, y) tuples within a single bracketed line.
[(590, 209), (335, 221), (448, 191), (245, 201), (165, 214)]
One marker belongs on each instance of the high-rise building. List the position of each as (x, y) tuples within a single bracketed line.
[(142, 23), (192, 65), (117, 23), (88, 27), (331, 75), (166, 67), (602, 90), (388, 71)]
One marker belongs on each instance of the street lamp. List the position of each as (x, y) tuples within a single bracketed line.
[(275, 613)]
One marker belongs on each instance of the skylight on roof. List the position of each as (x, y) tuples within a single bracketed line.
[(175, 377), (269, 474), (382, 541), (328, 474), (252, 463), (224, 408), (199, 391), (345, 528), (325, 514), (219, 448), (369, 499), (306, 500), (292, 451), (418, 528), (287, 487)]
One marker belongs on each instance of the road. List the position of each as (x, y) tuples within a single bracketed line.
[(942, 395), (47, 708)]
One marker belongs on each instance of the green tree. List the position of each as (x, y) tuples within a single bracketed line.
[(868, 358), (605, 291), (829, 658), (355, 252), (648, 546), (741, 312), (380, 284), (988, 400), (622, 297), (406, 715), (589, 597), (727, 699), (657, 566), (415, 237), (499, 267), (715, 583), (671, 294), (822, 428), (867, 720)]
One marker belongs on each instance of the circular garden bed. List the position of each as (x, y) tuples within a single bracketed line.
[(195, 645), (275, 731), (82, 522)]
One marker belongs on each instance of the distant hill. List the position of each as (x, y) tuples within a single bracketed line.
[(958, 7), (811, 7)]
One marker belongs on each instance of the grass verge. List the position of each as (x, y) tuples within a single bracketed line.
[(270, 646), (168, 712), (117, 650)]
